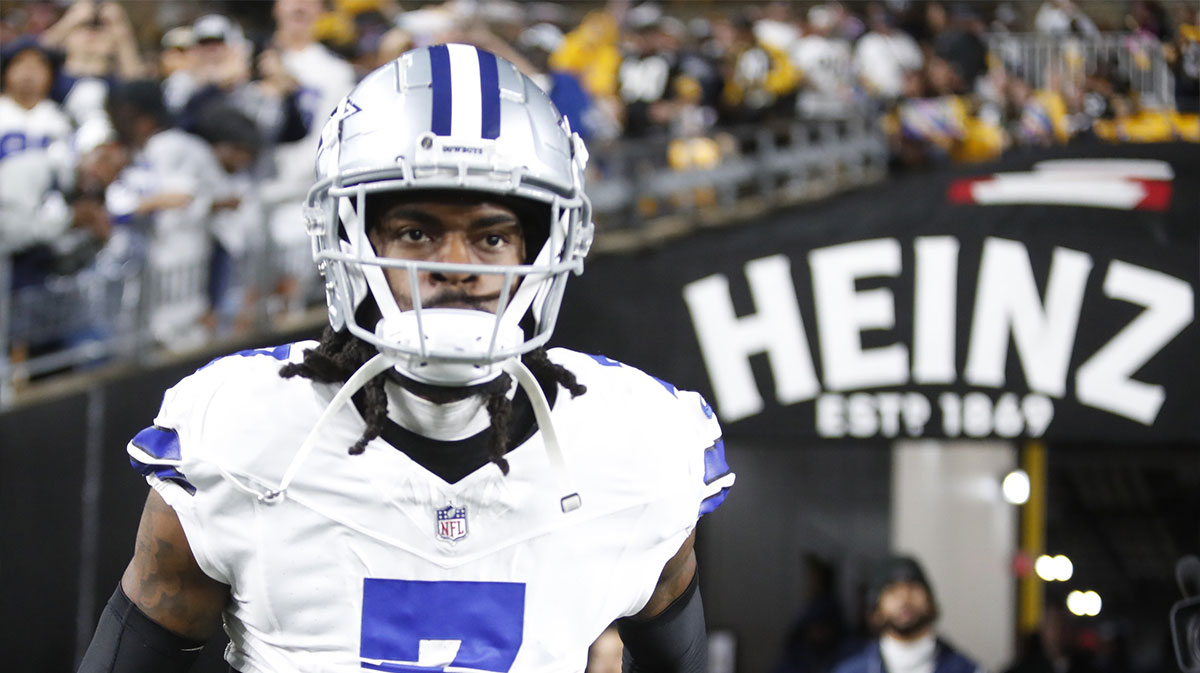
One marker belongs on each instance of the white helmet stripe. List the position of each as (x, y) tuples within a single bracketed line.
[(466, 92), (464, 80)]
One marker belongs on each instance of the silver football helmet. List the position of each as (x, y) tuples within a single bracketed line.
[(448, 117)]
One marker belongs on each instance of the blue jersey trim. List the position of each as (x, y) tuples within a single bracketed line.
[(162, 443), (439, 68), (606, 361), (670, 388), (489, 83), (164, 472), (715, 466), (281, 353), (713, 501)]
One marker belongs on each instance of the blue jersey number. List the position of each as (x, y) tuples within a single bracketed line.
[(418, 627)]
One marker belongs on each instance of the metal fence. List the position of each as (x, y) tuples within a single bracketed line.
[(1063, 62), (642, 192)]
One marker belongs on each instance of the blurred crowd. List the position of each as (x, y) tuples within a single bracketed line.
[(179, 136)]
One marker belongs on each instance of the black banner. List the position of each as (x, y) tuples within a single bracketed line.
[(1052, 295)]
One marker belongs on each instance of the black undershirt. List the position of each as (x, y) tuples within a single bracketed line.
[(453, 460)]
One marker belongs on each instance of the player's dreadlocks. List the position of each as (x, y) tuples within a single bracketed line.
[(339, 354)]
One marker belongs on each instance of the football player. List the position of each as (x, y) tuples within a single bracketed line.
[(501, 503)]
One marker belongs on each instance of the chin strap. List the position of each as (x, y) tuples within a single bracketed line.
[(365, 373), (570, 501)]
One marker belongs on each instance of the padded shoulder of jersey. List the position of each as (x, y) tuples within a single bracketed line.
[(676, 433), (643, 393), (240, 389)]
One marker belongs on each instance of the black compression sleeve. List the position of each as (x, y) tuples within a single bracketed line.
[(673, 641), (127, 641)]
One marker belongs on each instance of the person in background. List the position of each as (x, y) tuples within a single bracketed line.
[(221, 75), (54, 224), (238, 234), (590, 51), (824, 59), (902, 611), (648, 69), (29, 119), (885, 56), (169, 192), (176, 63), (538, 42), (322, 78), (1063, 17), (98, 40), (100, 50), (961, 44)]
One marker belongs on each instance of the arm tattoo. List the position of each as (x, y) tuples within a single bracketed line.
[(165, 582)]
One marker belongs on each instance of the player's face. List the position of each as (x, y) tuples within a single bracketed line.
[(905, 608), (479, 232)]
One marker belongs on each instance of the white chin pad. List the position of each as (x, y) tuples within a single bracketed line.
[(449, 346)]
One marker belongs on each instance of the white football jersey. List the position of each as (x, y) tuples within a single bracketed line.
[(373, 562), (22, 130)]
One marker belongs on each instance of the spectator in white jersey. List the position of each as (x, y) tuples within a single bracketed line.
[(502, 503), (237, 227), (823, 57), (886, 55), (29, 119), (170, 191)]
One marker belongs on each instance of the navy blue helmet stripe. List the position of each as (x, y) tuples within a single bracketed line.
[(439, 65), (489, 84)]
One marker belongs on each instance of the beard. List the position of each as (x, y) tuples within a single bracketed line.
[(907, 628)]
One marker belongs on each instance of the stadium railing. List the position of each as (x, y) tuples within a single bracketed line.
[(115, 315), (1056, 61)]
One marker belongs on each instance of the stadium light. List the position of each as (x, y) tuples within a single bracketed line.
[(1054, 568), (1016, 487), (1064, 569), (1084, 603)]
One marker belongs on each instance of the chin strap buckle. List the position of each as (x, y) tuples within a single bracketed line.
[(571, 503)]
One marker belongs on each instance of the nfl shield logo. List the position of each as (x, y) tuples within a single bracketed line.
[(452, 523)]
